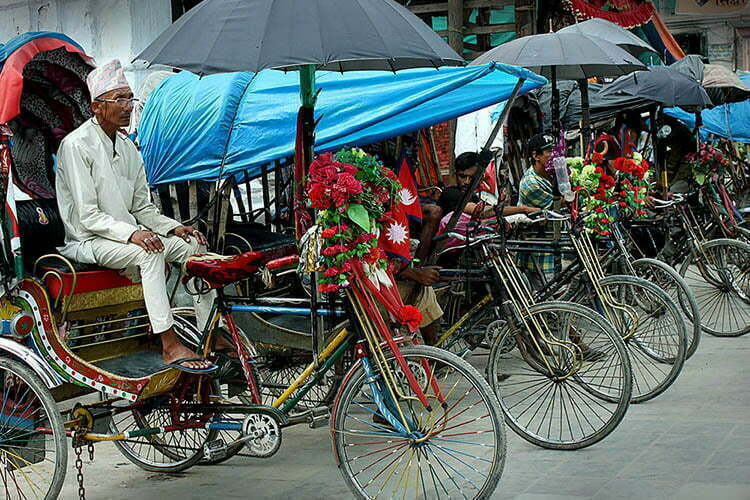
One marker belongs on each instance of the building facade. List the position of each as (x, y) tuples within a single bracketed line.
[(721, 34), (106, 29)]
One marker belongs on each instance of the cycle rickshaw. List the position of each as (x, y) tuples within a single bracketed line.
[(71, 330)]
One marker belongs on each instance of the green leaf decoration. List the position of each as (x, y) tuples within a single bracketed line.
[(359, 215), (700, 178)]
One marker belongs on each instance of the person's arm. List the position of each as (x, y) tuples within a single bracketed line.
[(520, 209), (144, 210), (425, 276), (75, 169)]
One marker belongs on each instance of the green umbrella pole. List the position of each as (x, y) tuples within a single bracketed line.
[(307, 95), (307, 85)]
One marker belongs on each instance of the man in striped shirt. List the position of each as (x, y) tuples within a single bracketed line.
[(535, 190)]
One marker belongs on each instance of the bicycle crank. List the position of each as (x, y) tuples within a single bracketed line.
[(261, 434)]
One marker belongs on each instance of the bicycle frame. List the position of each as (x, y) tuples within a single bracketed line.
[(369, 350)]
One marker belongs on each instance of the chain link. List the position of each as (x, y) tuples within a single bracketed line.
[(78, 447)]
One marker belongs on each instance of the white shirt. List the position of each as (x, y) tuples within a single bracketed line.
[(102, 191), (473, 130)]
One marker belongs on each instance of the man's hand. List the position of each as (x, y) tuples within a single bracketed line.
[(425, 276), (185, 232), (529, 210), (147, 240)]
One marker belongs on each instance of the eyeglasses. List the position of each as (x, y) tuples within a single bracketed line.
[(121, 101)]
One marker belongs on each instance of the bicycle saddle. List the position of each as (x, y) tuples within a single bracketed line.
[(220, 270)]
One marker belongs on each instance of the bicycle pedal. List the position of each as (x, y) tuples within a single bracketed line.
[(215, 450), (319, 417)]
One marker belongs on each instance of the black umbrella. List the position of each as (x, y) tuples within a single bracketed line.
[(565, 56), (610, 32), (662, 85), (219, 36)]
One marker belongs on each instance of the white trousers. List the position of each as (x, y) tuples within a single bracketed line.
[(152, 266)]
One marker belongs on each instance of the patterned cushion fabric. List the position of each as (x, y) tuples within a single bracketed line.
[(219, 270)]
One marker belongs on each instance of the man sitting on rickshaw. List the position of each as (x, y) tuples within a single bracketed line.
[(108, 215)]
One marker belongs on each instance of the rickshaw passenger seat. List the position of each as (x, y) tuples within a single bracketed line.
[(42, 232)]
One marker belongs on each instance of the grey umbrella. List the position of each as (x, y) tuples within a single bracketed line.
[(612, 33), (219, 36), (722, 85), (662, 85), (565, 56)]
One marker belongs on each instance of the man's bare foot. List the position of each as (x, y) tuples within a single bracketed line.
[(173, 350)]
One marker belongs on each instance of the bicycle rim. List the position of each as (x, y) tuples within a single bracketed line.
[(463, 454), (579, 401)]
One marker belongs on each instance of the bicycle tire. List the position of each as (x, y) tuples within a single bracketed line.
[(352, 399), (510, 370), (180, 451), (719, 275), (653, 307), (10, 460), (671, 281)]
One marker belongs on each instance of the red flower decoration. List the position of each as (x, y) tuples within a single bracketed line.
[(410, 317)]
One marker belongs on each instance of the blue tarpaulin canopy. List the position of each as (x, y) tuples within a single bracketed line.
[(192, 126), (731, 121)]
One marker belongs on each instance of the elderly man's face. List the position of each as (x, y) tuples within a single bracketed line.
[(114, 107)]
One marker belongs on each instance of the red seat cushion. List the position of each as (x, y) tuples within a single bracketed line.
[(86, 281), (219, 270)]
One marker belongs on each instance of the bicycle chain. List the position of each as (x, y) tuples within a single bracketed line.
[(78, 448)]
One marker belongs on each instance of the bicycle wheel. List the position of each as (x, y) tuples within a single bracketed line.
[(33, 451), (278, 368), (669, 280), (167, 451), (719, 275), (653, 328), (574, 402), (457, 450)]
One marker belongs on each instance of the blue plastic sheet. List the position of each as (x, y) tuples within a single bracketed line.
[(199, 128), (730, 121)]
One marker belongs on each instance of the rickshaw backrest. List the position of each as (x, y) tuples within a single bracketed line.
[(41, 228)]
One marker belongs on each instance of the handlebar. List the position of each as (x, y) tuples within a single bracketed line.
[(676, 200)]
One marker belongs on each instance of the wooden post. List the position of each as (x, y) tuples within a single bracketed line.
[(456, 41), (456, 25), (525, 17)]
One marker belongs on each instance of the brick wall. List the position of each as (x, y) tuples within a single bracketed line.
[(442, 134)]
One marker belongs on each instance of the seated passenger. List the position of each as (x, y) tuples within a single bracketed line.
[(108, 215), (535, 190), (466, 166)]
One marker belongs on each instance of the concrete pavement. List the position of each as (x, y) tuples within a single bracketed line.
[(693, 442)]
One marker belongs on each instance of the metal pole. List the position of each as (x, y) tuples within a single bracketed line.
[(484, 160), (307, 96), (555, 102), (583, 84)]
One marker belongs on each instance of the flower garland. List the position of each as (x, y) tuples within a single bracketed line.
[(600, 192), (707, 163), (349, 190)]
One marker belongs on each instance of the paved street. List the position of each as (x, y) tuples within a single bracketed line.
[(693, 442)]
